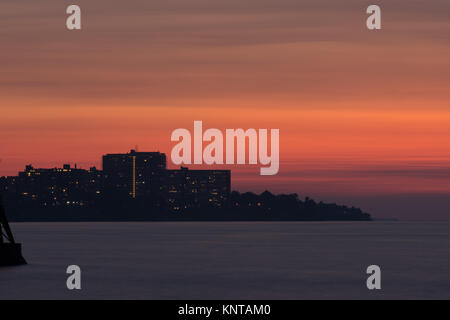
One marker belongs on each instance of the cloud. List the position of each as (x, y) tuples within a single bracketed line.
[(140, 50)]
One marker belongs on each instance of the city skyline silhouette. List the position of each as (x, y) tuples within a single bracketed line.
[(138, 186), (363, 114)]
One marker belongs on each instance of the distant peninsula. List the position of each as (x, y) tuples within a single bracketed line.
[(137, 186)]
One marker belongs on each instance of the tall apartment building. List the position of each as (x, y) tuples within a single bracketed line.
[(66, 186), (191, 189), (134, 174)]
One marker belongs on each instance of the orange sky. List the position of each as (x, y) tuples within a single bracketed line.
[(360, 112)]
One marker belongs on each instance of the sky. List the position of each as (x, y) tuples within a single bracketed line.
[(363, 115)]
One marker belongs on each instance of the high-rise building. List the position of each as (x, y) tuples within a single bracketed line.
[(191, 189), (134, 174), (55, 187)]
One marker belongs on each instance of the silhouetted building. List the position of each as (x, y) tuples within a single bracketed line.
[(193, 189), (137, 185), (64, 186), (135, 174)]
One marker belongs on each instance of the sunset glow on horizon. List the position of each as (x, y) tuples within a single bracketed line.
[(360, 113)]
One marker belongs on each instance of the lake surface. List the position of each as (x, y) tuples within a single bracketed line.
[(231, 260)]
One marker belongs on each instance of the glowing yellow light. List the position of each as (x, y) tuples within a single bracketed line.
[(134, 177)]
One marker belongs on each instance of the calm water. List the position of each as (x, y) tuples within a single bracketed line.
[(203, 260)]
